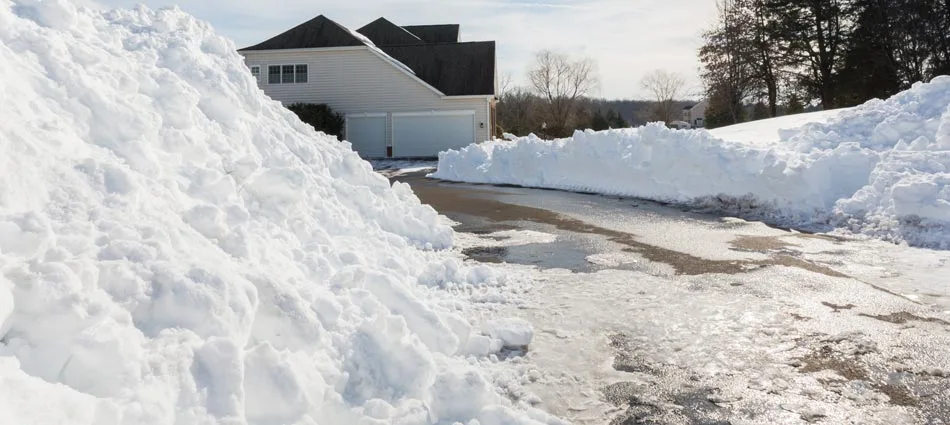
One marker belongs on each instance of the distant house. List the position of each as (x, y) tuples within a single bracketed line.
[(695, 114), (409, 91)]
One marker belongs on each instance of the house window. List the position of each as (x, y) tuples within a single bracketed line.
[(286, 74), (256, 72)]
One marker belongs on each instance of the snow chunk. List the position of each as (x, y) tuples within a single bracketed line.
[(512, 332)]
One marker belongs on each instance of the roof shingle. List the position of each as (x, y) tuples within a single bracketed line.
[(384, 33), (456, 69), (435, 33), (315, 33)]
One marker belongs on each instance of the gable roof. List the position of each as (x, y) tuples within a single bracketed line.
[(435, 33), (382, 32), (317, 32), (450, 67), (456, 69)]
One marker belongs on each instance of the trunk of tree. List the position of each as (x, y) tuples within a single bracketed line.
[(773, 99)]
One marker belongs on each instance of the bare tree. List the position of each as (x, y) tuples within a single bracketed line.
[(665, 87), (505, 84), (561, 81), (518, 111)]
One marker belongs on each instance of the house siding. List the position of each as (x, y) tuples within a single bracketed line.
[(354, 81)]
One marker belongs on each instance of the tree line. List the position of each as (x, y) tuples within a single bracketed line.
[(559, 99), (556, 101), (781, 54)]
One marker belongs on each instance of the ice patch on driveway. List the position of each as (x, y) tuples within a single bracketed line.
[(391, 168), (503, 238)]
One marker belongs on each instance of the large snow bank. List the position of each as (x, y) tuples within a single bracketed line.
[(881, 169), (177, 248)]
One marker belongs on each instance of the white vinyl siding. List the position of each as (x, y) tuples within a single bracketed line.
[(355, 80)]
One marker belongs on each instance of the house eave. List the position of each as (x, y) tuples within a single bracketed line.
[(306, 50), (470, 96)]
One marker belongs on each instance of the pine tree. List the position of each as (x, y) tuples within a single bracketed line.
[(870, 66), (760, 111), (794, 105), (616, 120), (598, 122), (811, 35)]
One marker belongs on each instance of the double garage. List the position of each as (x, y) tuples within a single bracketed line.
[(413, 134)]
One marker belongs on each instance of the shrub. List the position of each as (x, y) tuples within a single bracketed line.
[(320, 116)]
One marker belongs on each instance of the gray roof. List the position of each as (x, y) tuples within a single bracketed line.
[(455, 69), (448, 33), (317, 32), (384, 33)]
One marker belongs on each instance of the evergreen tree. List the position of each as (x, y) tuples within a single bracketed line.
[(598, 122), (939, 42), (794, 105), (870, 66), (811, 35), (616, 120), (760, 111)]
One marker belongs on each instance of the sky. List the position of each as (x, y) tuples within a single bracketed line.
[(626, 38)]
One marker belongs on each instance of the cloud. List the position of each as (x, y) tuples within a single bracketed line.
[(626, 38)]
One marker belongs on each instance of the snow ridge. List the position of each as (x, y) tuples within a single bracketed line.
[(177, 248), (880, 169)]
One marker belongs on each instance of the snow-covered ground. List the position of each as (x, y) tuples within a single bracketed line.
[(881, 169), (177, 248), (769, 131)]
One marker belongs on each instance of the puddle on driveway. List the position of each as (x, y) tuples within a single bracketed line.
[(479, 209)]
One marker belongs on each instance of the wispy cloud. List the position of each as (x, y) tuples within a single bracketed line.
[(627, 38)]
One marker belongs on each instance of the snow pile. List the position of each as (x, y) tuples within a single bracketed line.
[(177, 248), (881, 168)]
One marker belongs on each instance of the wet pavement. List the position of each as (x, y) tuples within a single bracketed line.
[(648, 313), (483, 209)]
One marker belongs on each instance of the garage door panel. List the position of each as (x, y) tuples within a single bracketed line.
[(367, 135), (427, 135)]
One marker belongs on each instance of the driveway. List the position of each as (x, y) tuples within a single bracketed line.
[(647, 313)]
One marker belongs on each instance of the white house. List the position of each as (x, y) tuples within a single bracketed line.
[(695, 115), (405, 91)]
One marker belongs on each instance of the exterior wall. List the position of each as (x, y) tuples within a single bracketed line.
[(698, 112), (356, 80)]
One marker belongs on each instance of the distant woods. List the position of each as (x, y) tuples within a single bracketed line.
[(783, 54), (558, 100)]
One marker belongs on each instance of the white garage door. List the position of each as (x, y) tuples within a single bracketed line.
[(367, 134), (427, 134)]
